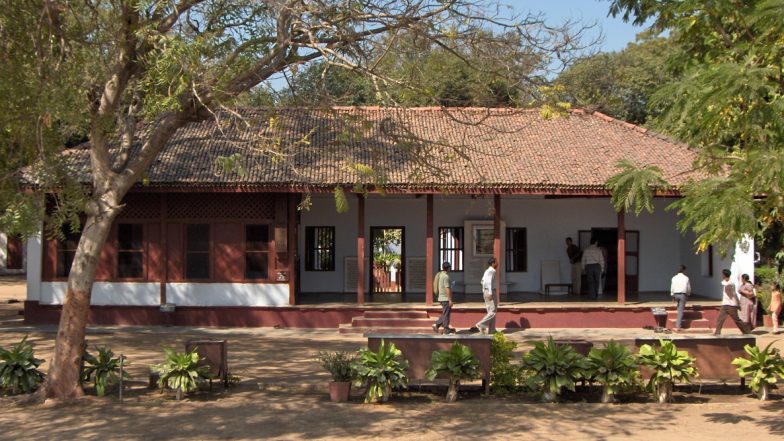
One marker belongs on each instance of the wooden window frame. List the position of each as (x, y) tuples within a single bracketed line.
[(509, 249), (209, 252), (311, 248), (58, 275), (459, 255), (142, 251), (246, 251)]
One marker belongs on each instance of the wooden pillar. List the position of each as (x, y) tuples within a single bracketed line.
[(497, 239), (361, 250), (292, 248), (164, 247), (429, 252), (621, 258)]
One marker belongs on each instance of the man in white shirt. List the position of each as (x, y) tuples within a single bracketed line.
[(680, 289), (593, 265), (729, 305), (487, 324)]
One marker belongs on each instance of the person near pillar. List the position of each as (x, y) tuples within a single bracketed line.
[(680, 289), (593, 265), (729, 305), (575, 259), (748, 301), (490, 295), (775, 306), (443, 288)]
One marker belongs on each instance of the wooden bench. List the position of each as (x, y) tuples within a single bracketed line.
[(418, 350), (212, 353), (713, 354), (547, 287)]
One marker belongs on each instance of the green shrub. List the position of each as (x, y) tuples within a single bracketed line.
[(763, 366), (458, 362), (553, 367), (669, 366), (380, 371), (338, 364), (180, 371), (19, 369), (104, 369), (767, 274), (614, 367), (504, 376)]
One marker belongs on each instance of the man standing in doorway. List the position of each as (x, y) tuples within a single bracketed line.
[(443, 288), (594, 264), (680, 289), (729, 305), (489, 293), (575, 256)]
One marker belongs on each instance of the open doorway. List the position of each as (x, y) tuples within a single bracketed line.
[(388, 251), (608, 240)]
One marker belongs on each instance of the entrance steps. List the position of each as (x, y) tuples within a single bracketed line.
[(693, 322), (404, 322)]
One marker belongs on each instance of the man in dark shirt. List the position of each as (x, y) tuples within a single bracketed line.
[(574, 253)]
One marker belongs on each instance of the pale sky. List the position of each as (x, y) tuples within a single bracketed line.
[(617, 34)]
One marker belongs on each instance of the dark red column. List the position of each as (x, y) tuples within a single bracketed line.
[(361, 250), (429, 252), (621, 258), (497, 239), (292, 247)]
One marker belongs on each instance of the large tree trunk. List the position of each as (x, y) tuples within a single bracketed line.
[(62, 380)]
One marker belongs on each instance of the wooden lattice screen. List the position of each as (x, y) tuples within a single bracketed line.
[(220, 206), (141, 206)]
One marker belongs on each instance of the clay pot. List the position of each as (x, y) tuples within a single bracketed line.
[(339, 391), (767, 321)]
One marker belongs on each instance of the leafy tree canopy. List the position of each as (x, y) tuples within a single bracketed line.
[(728, 105)]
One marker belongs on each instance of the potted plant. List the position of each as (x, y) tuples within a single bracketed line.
[(458, 362), (669, 365), (19, 372), (340, 367), (181, 372), (552, 367), (614, 367), (104, 368), (763, 366), (380, 371)]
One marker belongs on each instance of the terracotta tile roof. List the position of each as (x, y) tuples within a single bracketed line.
[(489, 149)]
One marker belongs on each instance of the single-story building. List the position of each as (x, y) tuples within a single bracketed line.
[(261, 242)]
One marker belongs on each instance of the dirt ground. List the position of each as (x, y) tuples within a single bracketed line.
[(282, 396)]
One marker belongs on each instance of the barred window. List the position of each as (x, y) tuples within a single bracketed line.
[(450, 247), (516, 250), (320, 249)]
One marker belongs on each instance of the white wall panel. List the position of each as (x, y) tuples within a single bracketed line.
[(227, 294)]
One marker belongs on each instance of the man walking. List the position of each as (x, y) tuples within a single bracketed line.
[(680, 289), (443, 288), (574, 254), (729, 305), (593, 262), (489, 293)]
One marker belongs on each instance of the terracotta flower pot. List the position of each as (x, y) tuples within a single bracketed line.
[(339, 391), (767, 321)]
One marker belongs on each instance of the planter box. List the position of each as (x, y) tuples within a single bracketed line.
[(713, 354), (418, 349)]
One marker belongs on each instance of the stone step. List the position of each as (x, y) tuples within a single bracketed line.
[(347, 329), (396, 314), (690, 324), (392, 322)]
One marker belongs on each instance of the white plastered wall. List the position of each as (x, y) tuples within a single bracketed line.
[(547, 221), (227, 294)]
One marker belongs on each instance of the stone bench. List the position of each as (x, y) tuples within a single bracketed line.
[(418, 350), (713, 354)]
